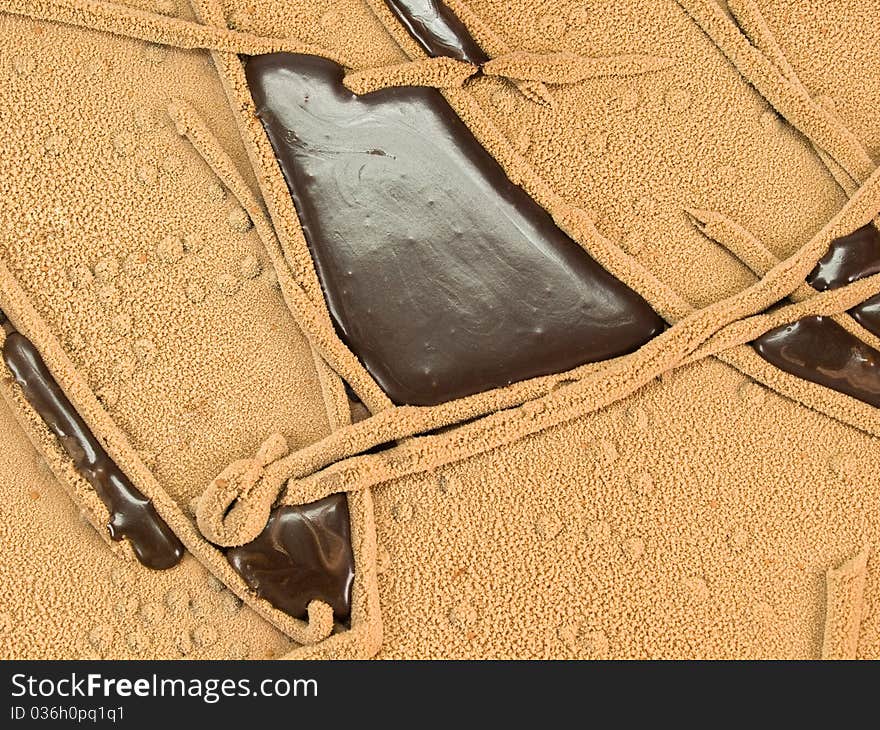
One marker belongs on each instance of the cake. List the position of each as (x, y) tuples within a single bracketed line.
[(420, 329)]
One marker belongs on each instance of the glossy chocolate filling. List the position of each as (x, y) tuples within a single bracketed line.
[(437, 29), (303, 554), (849, 259), (132, 515), (820, 350), (444, 277)]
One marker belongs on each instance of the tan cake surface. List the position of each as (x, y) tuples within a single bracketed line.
[(687, 500)]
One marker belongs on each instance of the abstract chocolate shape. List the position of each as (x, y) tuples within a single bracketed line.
[(817, 348), (850, 258), (821, 351), (867, 314), (444, 277), (303, 554), (437, 29), (132, 515)]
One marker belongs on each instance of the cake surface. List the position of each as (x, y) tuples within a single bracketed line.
[(414, 329)]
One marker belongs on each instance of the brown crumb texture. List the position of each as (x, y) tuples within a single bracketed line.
[(622, 535), (844, 608)]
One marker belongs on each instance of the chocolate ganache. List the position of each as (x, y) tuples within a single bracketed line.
[(850, 258), (303, 554), (817, 348), (132, 515), (437, 29), (444, 277)]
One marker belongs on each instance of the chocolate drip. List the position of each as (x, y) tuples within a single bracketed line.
[(303, 554), (132, 515), (444, 277), (437, 29), (821, 351)]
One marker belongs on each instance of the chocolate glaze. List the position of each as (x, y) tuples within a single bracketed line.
[(817, 348), (444, 277), (437, 29), (821, 351), (849, 259), (304, 553), (867, 314), (132, 515)]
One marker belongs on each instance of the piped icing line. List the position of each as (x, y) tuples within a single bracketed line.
[(488, 42), (788, 96), (312, 319), (752, 22), (156, 28), (442, 72), (750, 19), (571, 68), (709, 331), (439, 73), (844, 607), (746, 248), (824, 304), (592, 394), (363, 636), (350, 469)]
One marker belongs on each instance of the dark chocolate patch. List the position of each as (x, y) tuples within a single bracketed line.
[(132, 515), (303, 554), (821, 351), (444, 277), (848, 259), (867, 314), (437, 29)]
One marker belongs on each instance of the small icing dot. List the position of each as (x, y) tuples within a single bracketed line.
[(148, 174), (599, 532), (145, 350), (239, 220), (195, 292), (227, 283), (634, 547), (101, 637), (250, 267), (124, 144), (402, 511), (177, 599), (548, 526), (56, 144), (193, 242), (106, 268), (697, 588), (170, 249), (23, 65), (152, 613), (155, 53), (204, 634), (678, 99), (463, 615)]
